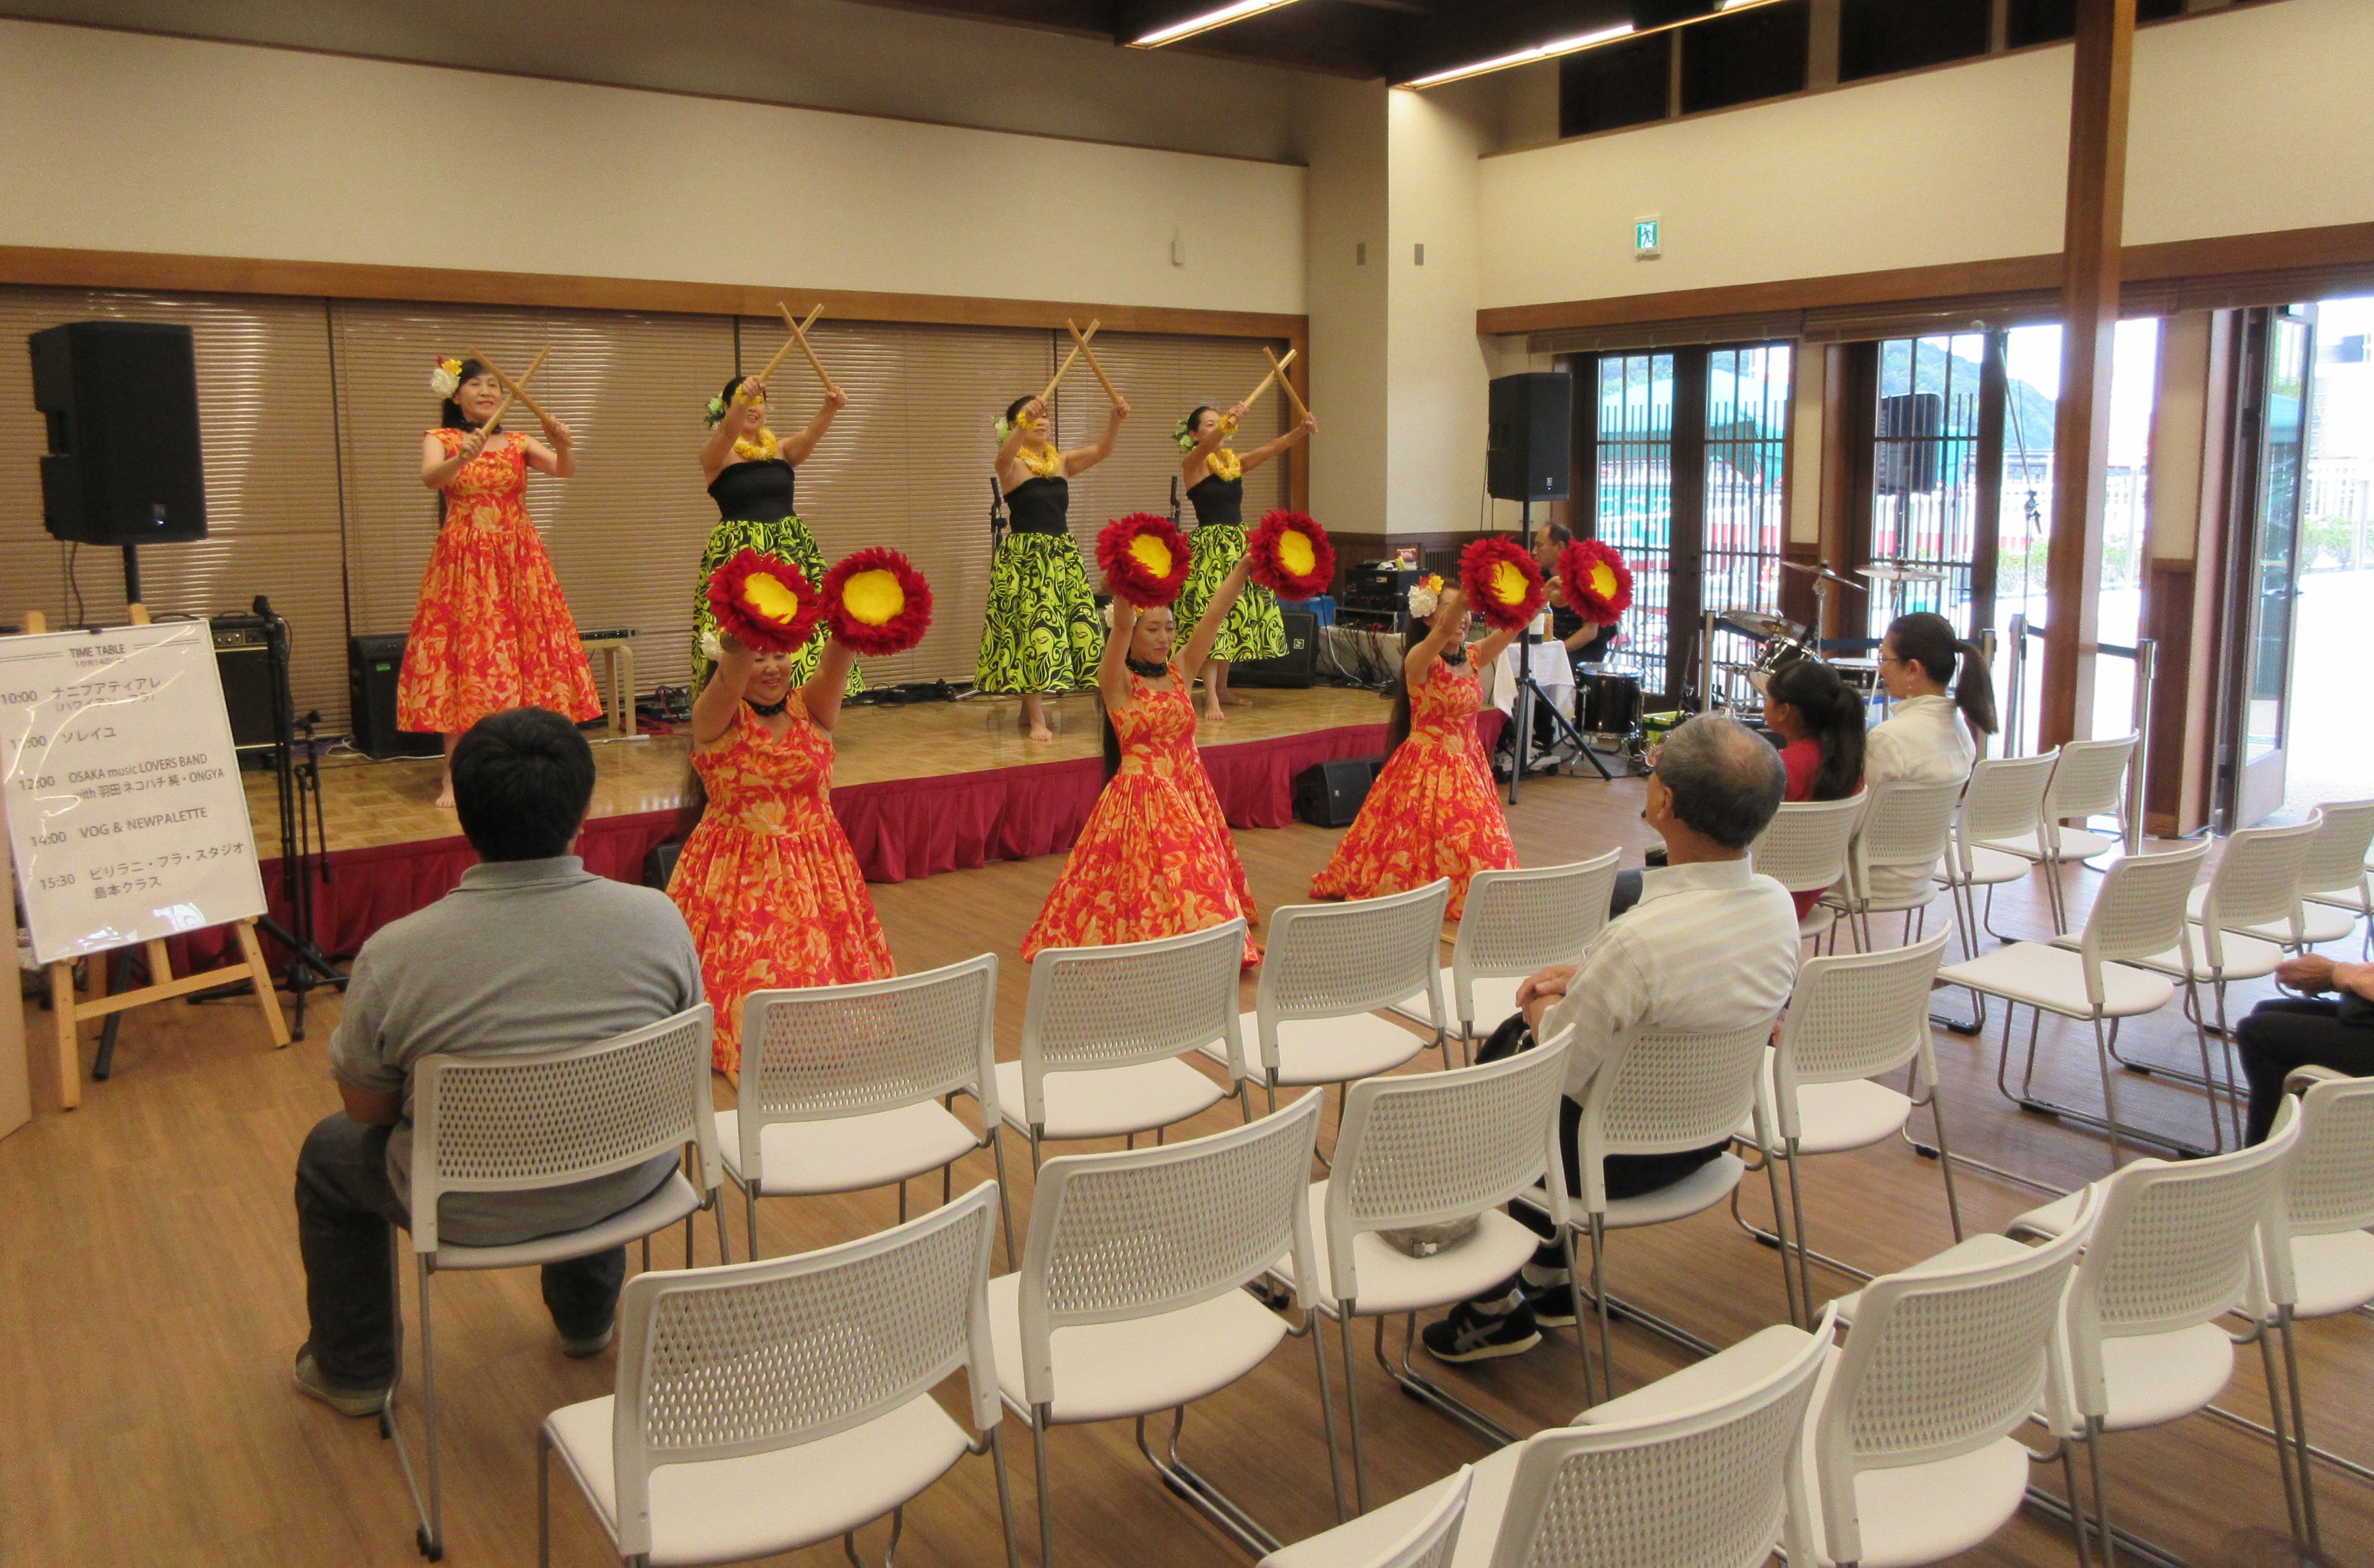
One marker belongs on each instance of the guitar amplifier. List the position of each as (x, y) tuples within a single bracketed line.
[(243, 659), (1297, 667), (373, 664)]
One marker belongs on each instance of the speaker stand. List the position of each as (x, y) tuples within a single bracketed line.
[(132, 574), (1529, 693)]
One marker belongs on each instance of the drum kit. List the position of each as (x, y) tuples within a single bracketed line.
[(1785, 641)]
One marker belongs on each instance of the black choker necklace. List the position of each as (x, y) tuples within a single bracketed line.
[(770, 709), (1150, 668), (1456, 656)]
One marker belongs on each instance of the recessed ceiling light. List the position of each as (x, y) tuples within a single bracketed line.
[(1219, 17), (1525, 56)]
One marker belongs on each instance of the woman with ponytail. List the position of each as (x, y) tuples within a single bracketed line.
[(1821, 719), (1929, 737)]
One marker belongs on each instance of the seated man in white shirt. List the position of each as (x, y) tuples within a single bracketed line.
[(1710, 948)]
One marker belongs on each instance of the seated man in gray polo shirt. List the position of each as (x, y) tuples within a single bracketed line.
[(532, 952)]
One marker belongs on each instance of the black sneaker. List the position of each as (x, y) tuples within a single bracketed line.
[(1552, 1305), (1469, 1335)]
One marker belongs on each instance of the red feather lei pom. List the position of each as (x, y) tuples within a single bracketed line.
[(880, 602), (1502, 581), (1598, 584), (1291, 555), (765, 604), (1143, 558)]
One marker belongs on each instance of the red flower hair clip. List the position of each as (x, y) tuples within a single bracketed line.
[(1502, 581), (1598, 584), (763, 603), (880, 602), (1291, 555), (1143, 558)]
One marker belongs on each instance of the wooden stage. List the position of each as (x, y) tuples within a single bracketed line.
[(921, 790)]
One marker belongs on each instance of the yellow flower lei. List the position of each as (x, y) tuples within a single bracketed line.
[(759, 450), (1225, 463), (1045, 461)]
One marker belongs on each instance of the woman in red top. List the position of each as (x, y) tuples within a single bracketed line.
[(1822, 720)]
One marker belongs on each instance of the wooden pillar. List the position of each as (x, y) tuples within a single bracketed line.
[(2089, 316)]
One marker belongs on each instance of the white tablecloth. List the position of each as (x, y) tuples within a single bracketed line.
[(1552, 669)]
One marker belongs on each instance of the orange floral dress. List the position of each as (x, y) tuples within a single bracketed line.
[(1156, 859), (492, 630), (1432, 811), (767, 882)]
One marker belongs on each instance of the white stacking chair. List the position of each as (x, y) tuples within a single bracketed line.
[(843, 1086), (1805, 850), (1128, 1300), (1516, 924), (2139, 914), (2003, 802), (2088, 781), (1425, 1149), (763, 1407), (1854, 1016), (521, 1123), (1695, 1469), (2256, 882), (1105, 1027), (1662, 1093), (2171, 1249), (1416, 1537), (2332, 881), (1326, 971), (1904, 828)]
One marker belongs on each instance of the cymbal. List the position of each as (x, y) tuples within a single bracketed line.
[(1758, 624), (1892, 572), (1823, 572)]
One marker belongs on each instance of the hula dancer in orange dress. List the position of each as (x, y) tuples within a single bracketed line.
[(767, 881), (1432, 811), (492, 630), (1154, 859)]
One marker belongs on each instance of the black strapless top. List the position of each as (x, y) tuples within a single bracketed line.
[(1217, 501), (759, 492), (1039, 505)]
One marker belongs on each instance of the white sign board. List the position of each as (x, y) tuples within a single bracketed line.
[(122, 795)]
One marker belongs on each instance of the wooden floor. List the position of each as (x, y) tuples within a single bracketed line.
[(366, 804), (151, 1300)]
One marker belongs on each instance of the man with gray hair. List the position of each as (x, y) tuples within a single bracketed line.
[(1709, 948)]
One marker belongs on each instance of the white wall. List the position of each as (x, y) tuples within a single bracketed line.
[(2243, 120), (118, 141), (1435, 374), (1340, 133)]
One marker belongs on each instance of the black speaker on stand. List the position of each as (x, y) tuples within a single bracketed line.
[(1529, 458), (125, 464)]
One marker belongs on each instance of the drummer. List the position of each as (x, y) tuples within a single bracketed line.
[(1585, 641)]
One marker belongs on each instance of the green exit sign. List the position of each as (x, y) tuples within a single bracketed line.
[(1644, 237)]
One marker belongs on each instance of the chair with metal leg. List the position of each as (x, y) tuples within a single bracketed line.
[(2088, 780), (1898, 843), (2003, 800), (1128, 1302), (1328, 970), (523, 1123), (1853, 1017), (1913, 1458), (1805, 850), (2139, 914), (764, 1407), (1104, 1030), (847, 1087), (1430, 1148), (2333, 880), (1516, 924)]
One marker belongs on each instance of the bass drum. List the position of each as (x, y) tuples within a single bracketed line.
[(1611, 702)]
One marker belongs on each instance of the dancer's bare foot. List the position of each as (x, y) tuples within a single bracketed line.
[(1212, 712), (1233, 700), (1041, 732), (1034, 717), (445, 797)]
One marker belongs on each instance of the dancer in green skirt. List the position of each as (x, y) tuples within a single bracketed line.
[(750, 476), (1041, 633), (1214, 476)]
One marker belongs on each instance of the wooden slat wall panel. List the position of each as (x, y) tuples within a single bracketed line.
[(1164, 377), (625, 533), (265, 419)]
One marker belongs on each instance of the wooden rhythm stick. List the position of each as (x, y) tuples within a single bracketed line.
[(788, 343), (1080, 346), (516, 388), (505, 407), (1103, 379), (800, 337), (1277, 369)]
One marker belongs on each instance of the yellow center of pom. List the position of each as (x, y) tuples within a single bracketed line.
[(1152, 554), (1602, 580), (1508, 583), (769, 597), (874, 598), (1294, 552)]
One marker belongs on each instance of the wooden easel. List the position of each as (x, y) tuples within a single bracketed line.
[(71, 1015)]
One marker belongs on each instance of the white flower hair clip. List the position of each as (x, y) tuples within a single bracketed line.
[(1106, 611), (446, 380), (1425, 594), (710, 649)]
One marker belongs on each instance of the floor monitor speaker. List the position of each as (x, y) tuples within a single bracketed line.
[(1328, 794), (1299, 666)]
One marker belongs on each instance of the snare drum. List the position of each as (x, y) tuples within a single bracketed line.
[(1611, 702)]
